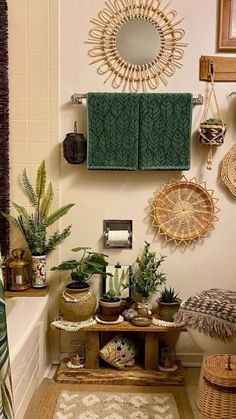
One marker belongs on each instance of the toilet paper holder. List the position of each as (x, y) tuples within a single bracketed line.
[(117, 234)]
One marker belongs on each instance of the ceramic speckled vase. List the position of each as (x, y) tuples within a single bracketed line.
[(39, 271), (76, 304)]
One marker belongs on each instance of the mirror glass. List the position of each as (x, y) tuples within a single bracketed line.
[(138, 41)]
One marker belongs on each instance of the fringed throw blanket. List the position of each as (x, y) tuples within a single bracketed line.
[(212, 312), (4, 126)]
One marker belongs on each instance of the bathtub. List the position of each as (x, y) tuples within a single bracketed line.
[(27, 326)]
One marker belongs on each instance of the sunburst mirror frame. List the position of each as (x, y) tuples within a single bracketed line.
[(184, 211), (125, 75)]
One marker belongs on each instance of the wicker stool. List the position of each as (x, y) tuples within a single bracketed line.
[(218, 388)]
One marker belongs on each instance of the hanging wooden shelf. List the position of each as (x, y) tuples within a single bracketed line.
[(224, 68)]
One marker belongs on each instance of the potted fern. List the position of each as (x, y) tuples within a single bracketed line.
[(168, 304), (34, 227)]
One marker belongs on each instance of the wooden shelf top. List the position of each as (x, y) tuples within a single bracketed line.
[(134, 376), (129, 327), (30, 292)]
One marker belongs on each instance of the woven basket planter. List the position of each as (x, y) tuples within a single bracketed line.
[(211, 135)]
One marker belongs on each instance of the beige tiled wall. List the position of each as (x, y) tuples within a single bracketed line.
[(34, 127)]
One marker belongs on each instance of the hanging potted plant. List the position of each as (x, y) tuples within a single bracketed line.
[(145, 278), (34, 227), (78, 302), (168, 304)]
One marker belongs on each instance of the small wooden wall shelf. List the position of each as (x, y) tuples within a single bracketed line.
[(146, 375), (224, 68), (30, 292)]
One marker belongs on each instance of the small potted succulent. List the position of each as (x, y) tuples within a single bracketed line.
[(109, 306), (168, 304), (78, 302)]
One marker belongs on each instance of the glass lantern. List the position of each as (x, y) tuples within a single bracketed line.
[(18, 271)]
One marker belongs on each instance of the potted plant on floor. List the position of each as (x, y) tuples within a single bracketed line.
[(78, 302), (145, 278), (168, 304), (109, 306), (34, 227)]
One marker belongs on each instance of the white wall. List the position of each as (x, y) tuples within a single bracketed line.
[(103, 195)]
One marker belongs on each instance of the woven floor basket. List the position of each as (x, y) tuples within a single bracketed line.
[(218, 388)]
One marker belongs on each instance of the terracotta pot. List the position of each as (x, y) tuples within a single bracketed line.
[(166, 311), (39, 271), (76, 304), (109, 311)]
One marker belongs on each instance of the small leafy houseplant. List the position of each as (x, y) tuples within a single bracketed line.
[(34, 227), (144, 277), (168, 304), (81, 270), (78, 302)]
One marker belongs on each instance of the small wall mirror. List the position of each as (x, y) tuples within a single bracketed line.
[(138, 41), (136, 44)]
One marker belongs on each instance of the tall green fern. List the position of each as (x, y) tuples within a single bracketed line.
[(34, 226)]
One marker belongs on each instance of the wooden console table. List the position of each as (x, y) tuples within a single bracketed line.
[(146, 375)]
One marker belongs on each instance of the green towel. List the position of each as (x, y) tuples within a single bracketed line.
[(113, 131), (165, 131)]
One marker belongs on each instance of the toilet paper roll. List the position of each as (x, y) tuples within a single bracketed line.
[(118, 237)]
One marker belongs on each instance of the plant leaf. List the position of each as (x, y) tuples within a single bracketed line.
[(46, 202), (29, 190), (12, 220), (116, 281), (41, 180), (58, 214), (22, 211), (77, 249), (56, 239)]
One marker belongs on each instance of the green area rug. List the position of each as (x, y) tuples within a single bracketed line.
[(74, 401)]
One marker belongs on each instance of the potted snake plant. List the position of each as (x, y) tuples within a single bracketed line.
[(109, 306), (34, 227)]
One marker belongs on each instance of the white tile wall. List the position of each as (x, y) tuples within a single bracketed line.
[(34, 112)]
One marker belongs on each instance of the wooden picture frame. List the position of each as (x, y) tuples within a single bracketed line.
[(227, 26)]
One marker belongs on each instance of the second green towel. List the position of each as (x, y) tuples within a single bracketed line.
[(113, 131), (165, 131)]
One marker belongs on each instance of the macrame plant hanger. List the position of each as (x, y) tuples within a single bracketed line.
[(211, 130)]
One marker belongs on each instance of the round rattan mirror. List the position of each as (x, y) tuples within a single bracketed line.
[(136, 43)]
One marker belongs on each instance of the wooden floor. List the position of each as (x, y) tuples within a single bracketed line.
[(192, 375)]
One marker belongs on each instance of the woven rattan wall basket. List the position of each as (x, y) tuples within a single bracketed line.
[(184, 210), (228, 171)]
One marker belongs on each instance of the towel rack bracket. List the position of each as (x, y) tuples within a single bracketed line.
[(76, 99)]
